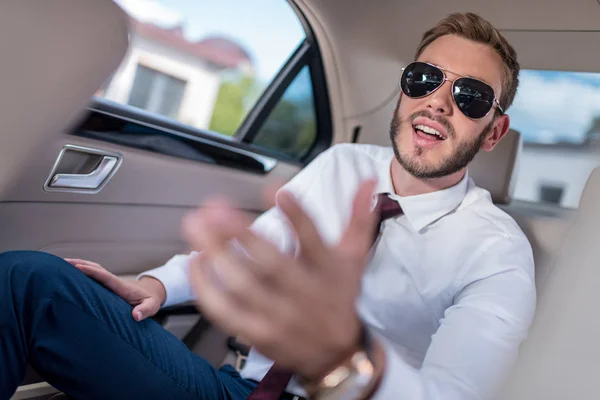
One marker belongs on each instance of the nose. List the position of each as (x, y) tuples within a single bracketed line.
[(440, 101)]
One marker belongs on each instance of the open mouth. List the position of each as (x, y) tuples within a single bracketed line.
[(427, 132)]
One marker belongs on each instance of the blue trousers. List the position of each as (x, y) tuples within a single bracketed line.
[(81, 338)]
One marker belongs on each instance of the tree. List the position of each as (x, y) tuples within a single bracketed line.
[(290, 128), (232, 104)]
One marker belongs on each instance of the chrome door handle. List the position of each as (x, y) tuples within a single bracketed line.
[(93, 180), (83, 170)]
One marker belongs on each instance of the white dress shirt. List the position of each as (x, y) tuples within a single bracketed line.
[(450, 288)]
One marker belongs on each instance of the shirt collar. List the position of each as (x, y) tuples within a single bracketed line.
[(423, 209)]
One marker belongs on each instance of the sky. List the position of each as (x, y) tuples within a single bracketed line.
[(553, 106), (268, 29)]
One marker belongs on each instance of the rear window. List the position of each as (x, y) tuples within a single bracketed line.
[(558, 115), (217, 66)]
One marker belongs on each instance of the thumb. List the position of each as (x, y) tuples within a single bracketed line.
[(144, 310), (357, 239)]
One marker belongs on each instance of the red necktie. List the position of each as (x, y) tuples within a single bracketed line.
[(386, 208), (272, 386)]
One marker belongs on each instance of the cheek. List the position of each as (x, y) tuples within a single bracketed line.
[(469, 130), (406, 107)]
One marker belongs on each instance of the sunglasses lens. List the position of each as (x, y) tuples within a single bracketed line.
[(420, 79), (473, 98)]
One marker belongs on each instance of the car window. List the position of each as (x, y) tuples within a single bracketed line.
[(204, 63), (291, 127), (558, 115)]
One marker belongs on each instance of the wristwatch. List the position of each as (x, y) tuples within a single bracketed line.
[(354, 379)]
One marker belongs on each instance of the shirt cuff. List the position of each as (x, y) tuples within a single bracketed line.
[(174, 277)]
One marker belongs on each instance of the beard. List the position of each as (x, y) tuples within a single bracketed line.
[(459, 159)]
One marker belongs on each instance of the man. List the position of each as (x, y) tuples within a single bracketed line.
[(431, 303)]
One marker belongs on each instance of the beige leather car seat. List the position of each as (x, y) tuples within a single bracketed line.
[(495, 170), (55, 56), (545, 227), (561, 357)]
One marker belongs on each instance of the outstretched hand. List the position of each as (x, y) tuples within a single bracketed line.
[(298, 311)]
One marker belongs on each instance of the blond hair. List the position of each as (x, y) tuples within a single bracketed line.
[(473, 27)]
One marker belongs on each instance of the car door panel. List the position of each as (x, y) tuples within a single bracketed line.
[(133, 223), (147, 178)]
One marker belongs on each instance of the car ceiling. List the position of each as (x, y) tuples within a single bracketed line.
[(366, 43)]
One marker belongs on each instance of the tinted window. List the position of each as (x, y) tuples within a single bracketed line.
[(291, 128), (558, 114)]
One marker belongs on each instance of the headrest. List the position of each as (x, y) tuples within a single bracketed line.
[(55, 55), (494, 170), (590, 198)]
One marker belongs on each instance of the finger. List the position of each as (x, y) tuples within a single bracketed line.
[(102, 276), (74, 261), (312, 247), (236, 275), (248, 260), (357, 238), (210, 228), (268, 264), (217, 305), (241, 273), (145, 309)]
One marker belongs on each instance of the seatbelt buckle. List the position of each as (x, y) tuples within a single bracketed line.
[(240, 360), (241, 352)]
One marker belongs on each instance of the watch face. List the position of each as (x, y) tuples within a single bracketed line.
[(349, 381)]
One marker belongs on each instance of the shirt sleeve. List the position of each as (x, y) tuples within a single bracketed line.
[(173, 276), (479, 336), (272, 225)]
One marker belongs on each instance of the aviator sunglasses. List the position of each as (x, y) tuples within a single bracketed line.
[(474, 98)]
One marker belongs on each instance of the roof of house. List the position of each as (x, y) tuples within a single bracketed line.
[(220, 51)]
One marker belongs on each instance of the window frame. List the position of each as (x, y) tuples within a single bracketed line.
[(306, 54)]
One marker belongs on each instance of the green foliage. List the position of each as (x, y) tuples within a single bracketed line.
[(291, 127), (232, 104)]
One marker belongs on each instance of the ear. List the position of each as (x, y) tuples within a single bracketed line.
[(499, 129)]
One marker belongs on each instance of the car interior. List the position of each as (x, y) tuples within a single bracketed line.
[(88, 177)]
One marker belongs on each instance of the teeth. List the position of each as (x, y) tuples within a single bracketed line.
[(429, 130)]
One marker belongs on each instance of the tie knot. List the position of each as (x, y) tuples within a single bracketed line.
[(386, 207)]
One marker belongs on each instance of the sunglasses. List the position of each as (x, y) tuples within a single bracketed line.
[(474, 98)]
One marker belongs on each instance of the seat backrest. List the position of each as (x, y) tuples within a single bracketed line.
[(494, 170), (55, 56), (560, 358)]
